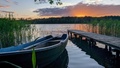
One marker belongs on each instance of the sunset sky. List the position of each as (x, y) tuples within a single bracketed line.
[(30, 9)]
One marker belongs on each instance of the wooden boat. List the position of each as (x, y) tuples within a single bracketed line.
[(6, 64), (61, 62), (46, 53), (29, 44)]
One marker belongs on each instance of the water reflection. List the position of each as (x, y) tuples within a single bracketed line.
[(111, 29), (54, 29), (13, 36), (87, 28), (16, 35), (101, 55)]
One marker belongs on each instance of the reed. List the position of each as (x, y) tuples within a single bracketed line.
[(11, 31), (107, 27)]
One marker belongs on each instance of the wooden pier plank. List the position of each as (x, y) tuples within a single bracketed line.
[(108, 40)]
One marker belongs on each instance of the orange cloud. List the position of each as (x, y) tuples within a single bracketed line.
[(1, 6), (81, 9), (95, 10)]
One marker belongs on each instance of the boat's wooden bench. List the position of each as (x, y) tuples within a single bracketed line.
[(34, 46), (110, 41), (48, 43)]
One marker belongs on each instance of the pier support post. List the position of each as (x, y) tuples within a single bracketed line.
[(75, 35), (93, 42), (70, 35), (85, 38), (110, 49), (80, 38), (117, 54), (106, 47), (117, 58), (89, 41)]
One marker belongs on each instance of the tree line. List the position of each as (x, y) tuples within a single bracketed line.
[(75, 20)]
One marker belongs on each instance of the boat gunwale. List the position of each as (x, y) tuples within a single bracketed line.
[(26, 44), (37, 49)]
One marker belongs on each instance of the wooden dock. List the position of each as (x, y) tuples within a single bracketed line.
[(110, 41)]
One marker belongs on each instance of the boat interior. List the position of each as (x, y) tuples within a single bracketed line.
[(53, 41)]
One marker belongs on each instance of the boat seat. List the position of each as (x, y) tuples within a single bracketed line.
[(52, 42), (35, 46)]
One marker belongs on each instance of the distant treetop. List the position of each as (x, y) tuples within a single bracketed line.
[(57, 2)]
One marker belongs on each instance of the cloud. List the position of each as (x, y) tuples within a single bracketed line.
[(8, 1), (81, 9), (11, 2), (92, 1), (7, 6), (53, 11), (16, 3)]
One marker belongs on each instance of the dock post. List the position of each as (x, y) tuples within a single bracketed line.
[(94, 42), (110, 49), (117, 54), (68, 35), (71, 35), (106, 47), (91, 41), (75, 35), (80, 38)]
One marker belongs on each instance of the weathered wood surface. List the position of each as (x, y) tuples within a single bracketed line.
[(108, 40)]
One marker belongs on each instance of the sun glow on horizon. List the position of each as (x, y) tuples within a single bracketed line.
[(79, 15), (78, 8)]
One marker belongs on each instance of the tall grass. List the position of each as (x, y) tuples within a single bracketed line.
[(106, 27), (11, 31), (109, 27)]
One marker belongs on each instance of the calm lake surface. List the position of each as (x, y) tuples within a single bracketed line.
[(76, 56)]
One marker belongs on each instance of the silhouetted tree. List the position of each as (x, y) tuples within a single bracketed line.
[(77, 20), (58, 2)]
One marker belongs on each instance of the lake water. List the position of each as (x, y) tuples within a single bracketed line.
[(78, 57), (78, 54)]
